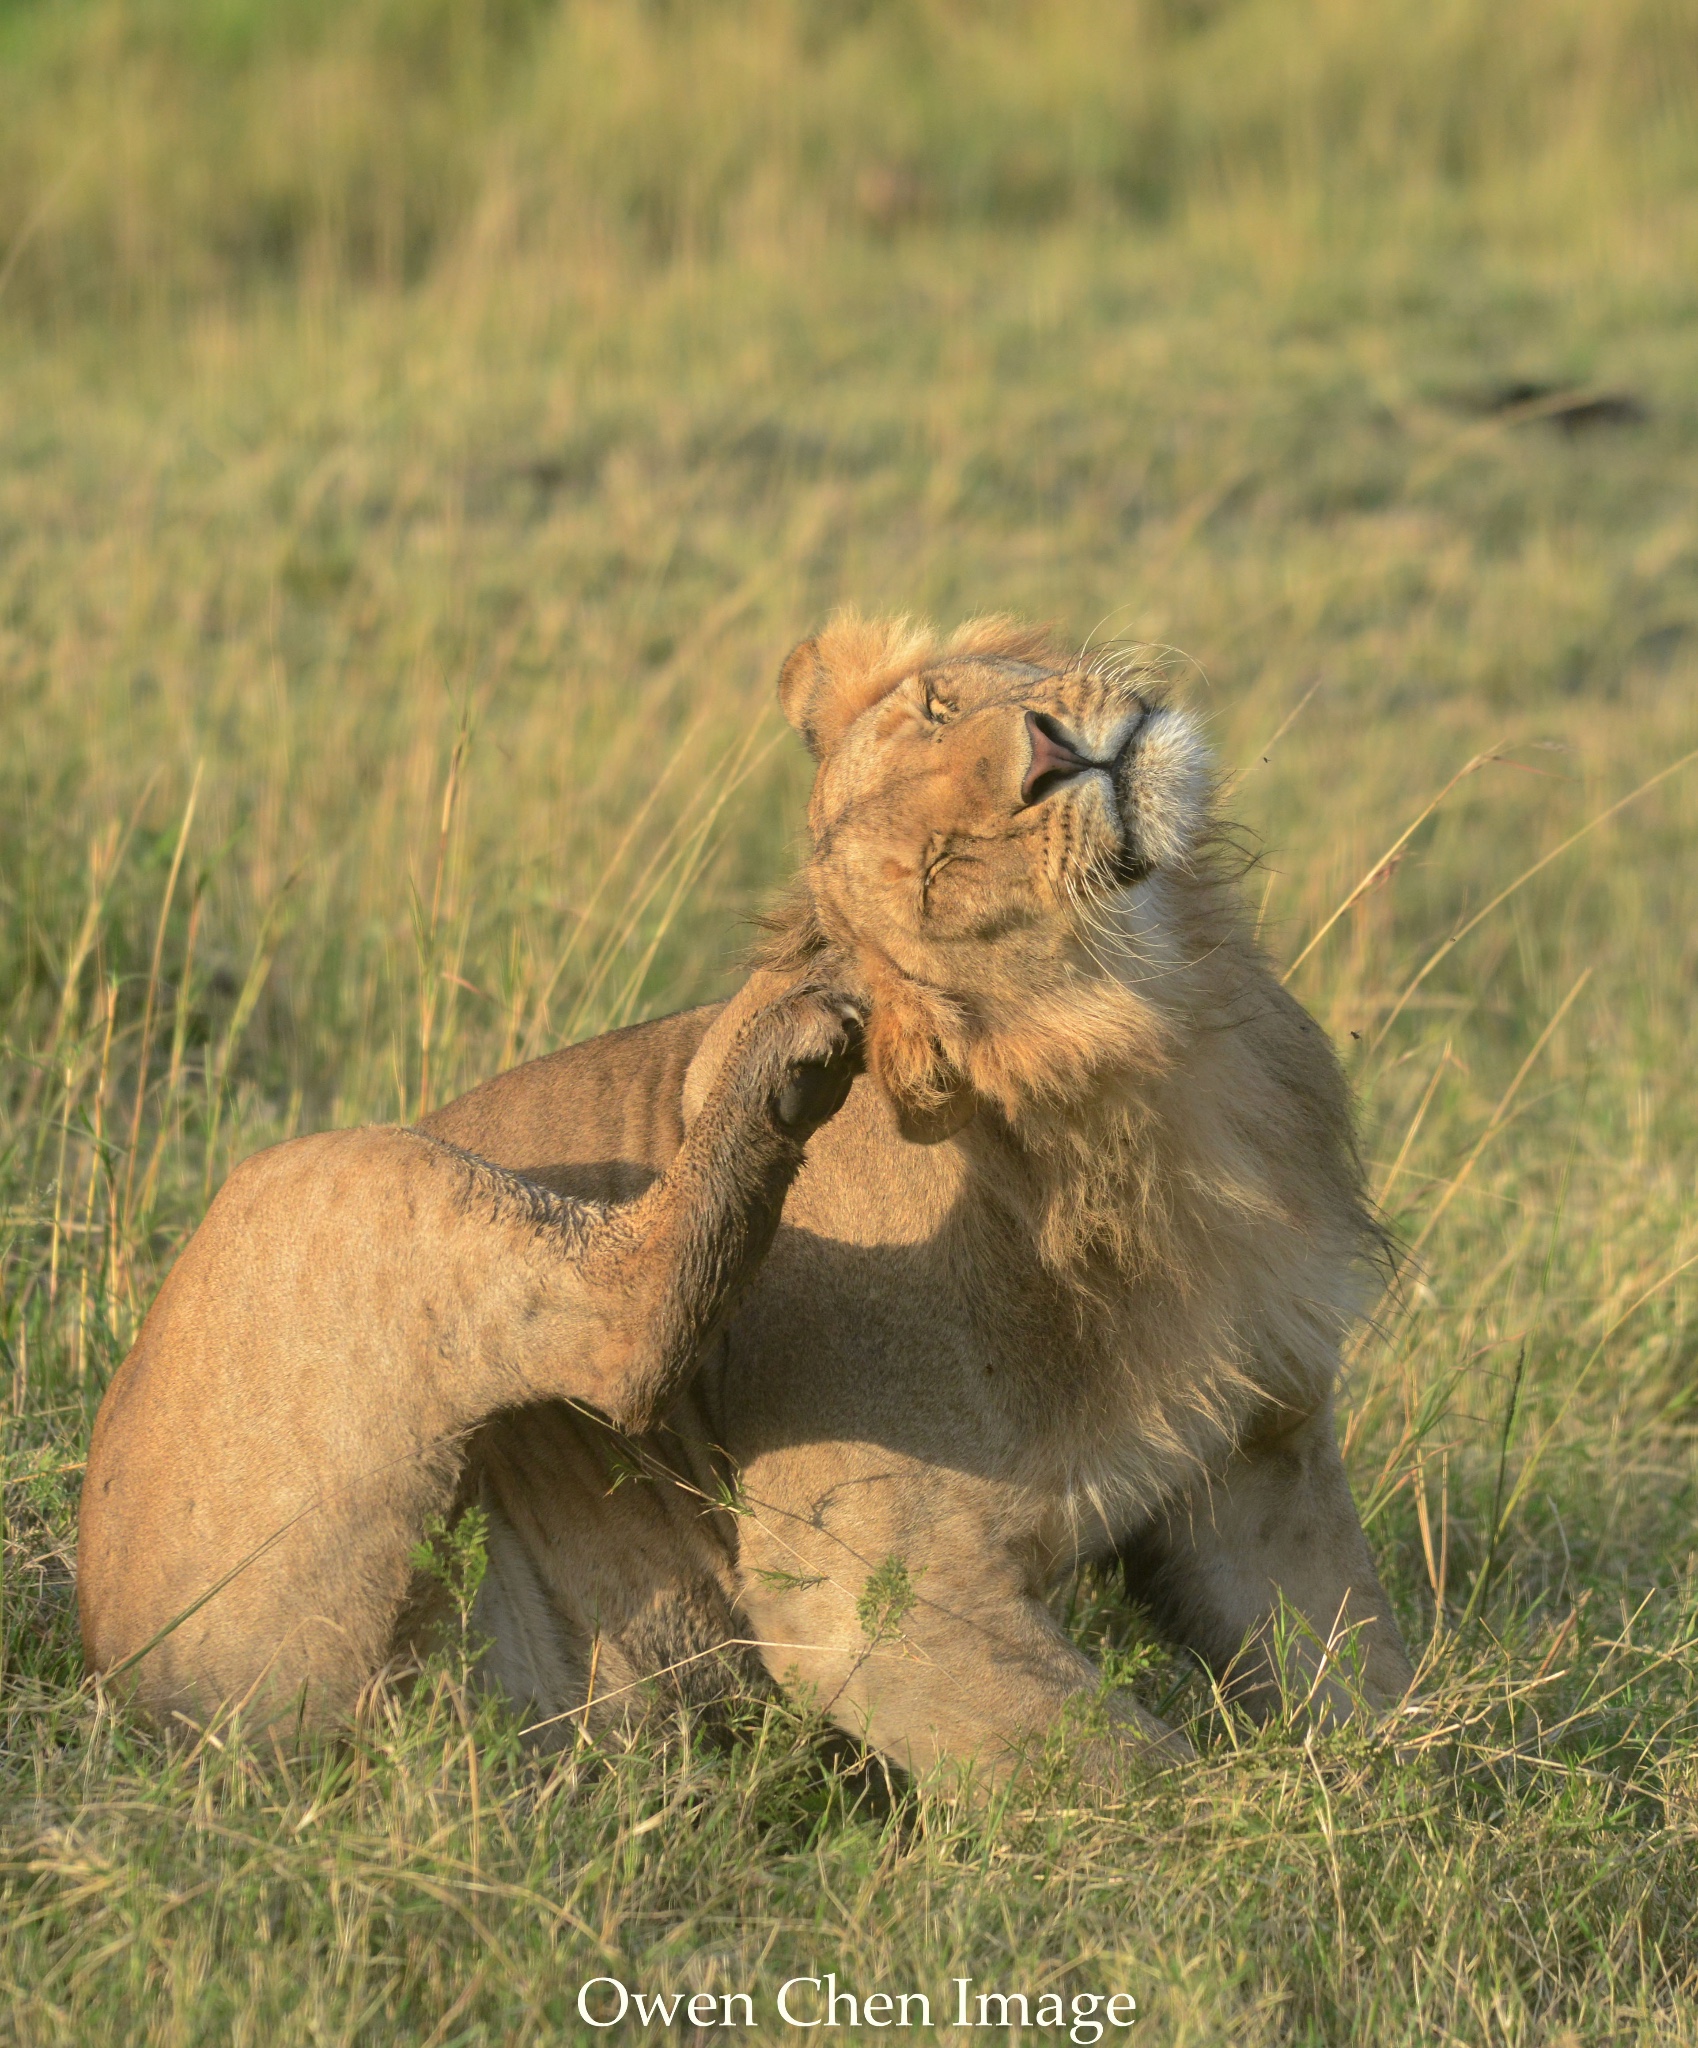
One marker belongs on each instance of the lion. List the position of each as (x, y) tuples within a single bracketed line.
[(1064, 1283), (294, 1411)]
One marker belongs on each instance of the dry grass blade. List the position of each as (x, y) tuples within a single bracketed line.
[(1379, 867), (1459, 1180), (150, 1003), (1538, 867)]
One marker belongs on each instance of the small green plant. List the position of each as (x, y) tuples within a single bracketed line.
[(790, 1582), (456, 1555), (887, 1599)]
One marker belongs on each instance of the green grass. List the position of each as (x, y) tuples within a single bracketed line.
[(423, 430)]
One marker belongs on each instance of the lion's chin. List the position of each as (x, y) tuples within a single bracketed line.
[(1161, 783)]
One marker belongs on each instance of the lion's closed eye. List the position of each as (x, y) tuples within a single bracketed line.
[(949, 858), (936, 861)]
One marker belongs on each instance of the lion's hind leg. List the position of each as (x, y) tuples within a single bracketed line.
[(477, 1607), (609, 1591), (527, 1649), (352, 1309)]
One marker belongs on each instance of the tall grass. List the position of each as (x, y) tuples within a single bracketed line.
[(152, 151), (423, 429)]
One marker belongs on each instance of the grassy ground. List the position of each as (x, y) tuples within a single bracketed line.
[(422, 432)]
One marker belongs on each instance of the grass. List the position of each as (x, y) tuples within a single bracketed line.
[(422, 433)]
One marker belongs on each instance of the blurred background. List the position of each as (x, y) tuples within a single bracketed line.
[(431, 421), (425, 425)]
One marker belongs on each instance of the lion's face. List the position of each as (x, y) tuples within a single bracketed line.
[(984, 819)]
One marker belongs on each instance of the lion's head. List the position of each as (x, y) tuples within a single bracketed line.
[(1004, 845)]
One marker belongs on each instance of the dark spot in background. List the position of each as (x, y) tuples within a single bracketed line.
[(1570, 408)]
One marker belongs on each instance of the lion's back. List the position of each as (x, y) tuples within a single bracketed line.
[(598, 1120)]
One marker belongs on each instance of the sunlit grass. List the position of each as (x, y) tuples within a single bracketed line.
[(387, 640)]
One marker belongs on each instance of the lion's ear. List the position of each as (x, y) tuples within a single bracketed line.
[(830, 680), (929, 1093)]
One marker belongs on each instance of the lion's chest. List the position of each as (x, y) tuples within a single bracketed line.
[(905, 1329)]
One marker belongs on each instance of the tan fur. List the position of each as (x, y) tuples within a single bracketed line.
[(1066, 1279), (353, 1307)]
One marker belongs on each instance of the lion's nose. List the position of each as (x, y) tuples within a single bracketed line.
[(1053, 759)]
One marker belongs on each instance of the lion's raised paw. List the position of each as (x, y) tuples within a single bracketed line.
[(809, 1045)]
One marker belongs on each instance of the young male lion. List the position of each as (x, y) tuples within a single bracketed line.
[(295, 1408), (1065, 1280)]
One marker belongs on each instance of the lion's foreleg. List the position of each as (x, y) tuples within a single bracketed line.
[(1264, 1571), (893, 1599)]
